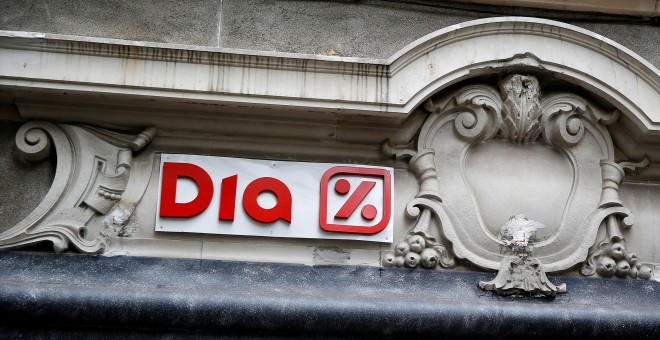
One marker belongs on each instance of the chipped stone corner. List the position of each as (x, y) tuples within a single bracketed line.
[(120, 222)]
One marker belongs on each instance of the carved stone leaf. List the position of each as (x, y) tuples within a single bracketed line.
[(521, 108)]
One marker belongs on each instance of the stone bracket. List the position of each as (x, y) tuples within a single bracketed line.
[(93, 171)]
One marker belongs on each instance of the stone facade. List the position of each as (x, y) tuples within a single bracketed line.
[(522, 146)]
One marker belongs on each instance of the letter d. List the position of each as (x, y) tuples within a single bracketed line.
[(168, 205)]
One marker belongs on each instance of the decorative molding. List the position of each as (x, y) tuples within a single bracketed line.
[(229, 86), (226, 80), (573, 130), (520, 273), (93, 171), (609, 257), (420, 245), (521, 108)]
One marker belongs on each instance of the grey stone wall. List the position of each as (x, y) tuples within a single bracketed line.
[(368, 29)]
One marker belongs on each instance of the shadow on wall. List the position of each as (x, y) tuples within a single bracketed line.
[(23, 184)]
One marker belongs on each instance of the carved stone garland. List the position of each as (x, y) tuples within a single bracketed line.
[(93, 172), (420, 246), (520, 115)]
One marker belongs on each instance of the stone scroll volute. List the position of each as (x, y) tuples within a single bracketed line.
[(95, 171)]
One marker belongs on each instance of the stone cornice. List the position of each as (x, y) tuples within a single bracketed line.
[(68, 78)]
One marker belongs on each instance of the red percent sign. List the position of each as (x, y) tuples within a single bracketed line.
[(369, 212), (342, 187)]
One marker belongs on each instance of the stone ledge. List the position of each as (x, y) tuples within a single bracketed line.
[(77, 295)]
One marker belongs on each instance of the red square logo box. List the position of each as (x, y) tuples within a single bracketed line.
[(361, 172)]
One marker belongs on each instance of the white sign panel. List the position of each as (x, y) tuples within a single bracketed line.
[(233, 196)]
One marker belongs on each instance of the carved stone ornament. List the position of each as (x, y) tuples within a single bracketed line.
[(521, 273), (93, 176), (485, 154)]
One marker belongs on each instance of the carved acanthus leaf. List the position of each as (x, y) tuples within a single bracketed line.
[(519, 113), (521, 108)]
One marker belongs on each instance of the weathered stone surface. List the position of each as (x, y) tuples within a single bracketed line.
[(371, 29), (645, 199), (169, 21), (368, 29), (182, 77), (640, 38)]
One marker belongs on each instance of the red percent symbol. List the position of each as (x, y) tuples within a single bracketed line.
[(342, 187), (369, 211)]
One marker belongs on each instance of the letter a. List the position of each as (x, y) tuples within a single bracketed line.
[(282, 208)]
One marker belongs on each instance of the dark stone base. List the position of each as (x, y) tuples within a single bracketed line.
[(43, 295)]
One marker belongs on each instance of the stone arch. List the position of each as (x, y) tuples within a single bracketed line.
[(464, 116), (564, 51)]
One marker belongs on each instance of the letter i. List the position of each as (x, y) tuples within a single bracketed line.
[(228, 198)]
